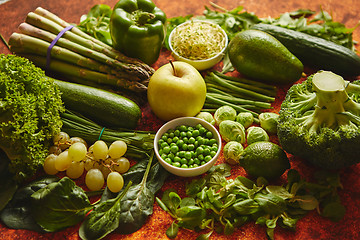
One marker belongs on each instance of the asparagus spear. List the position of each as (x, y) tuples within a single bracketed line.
[(70, 48), (83, 74), (48, 25), (108, 50)]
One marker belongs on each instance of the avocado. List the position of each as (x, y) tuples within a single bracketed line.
[(258, 55)]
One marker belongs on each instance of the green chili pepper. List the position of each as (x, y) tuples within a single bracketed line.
[(138, 29)]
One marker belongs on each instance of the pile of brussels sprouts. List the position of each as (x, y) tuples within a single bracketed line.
[(238, 129)]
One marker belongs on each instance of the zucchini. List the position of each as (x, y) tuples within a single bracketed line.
[(314, 51), (103, 107)]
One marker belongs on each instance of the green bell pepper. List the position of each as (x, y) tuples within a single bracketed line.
[(138, 29)]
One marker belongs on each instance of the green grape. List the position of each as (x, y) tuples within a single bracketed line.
[(62, 161), (89, 164), (75, 170), (61, 139), (94, 179), (78, 139), (117, 149), (77, 151), (115, 182), (55, 150), (49, 164), (122, 165), (100, 150), (105, 170)]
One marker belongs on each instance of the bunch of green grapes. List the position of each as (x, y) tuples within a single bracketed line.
[(99, 162)]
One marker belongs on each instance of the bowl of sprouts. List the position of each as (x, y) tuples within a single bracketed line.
[(200, 43)]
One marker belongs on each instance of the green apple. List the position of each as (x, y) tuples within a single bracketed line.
[(176, 89)]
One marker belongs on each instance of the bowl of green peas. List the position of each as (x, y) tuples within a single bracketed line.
[(187, 146)]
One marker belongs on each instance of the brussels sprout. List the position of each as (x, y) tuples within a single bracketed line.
[(245, 118), (256, 134), (269, 121), (224, 113), (232, 131), (232, 152), (207, 117)]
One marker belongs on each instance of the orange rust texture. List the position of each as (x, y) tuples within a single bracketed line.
[(312, 226)]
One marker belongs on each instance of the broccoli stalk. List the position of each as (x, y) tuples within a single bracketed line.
[(319, 121)]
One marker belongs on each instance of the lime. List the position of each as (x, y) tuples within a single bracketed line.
[(264, 159)]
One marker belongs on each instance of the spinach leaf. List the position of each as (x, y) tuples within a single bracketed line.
[(104, 218), (8, 186), (17, 214), (59, 205), (137, 204)]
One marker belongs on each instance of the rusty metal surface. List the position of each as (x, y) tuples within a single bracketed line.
[(13, 12)]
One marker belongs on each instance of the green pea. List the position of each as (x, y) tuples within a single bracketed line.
[(177, 159), (191, 147), (160, 141), (175, 139), (201, 141), (172, 144), (164, 144), (174, 149), (176, 164), (184, 161), (209, 134), (171, 156), (177, 132), (195, 133), (160, 152), (198, 126), (214, 148), (166, 149), (182, 154), (207, 158), (163, 156), (196, 161), (191, 161), (212, 153), (182, 134), (189, 134), (171, 135), (195, 165), (212, 141), (200, 150), (201, 157), (193, 154), (206, 151), (184, 166), (185, 139), (202, 130), (202, 163), (188, 155), (206, 141), (192, 140), (164, 137), (169, 140), (179, 143), (184, 147), (183, 128), (168, 160)]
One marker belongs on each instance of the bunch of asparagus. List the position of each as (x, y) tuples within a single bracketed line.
[(242, 94), (77, 55)]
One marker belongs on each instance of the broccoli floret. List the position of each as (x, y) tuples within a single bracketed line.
[(320, 121), (30, 106)]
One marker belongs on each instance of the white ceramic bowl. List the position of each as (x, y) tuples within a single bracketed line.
[(188, 121), (205, 63)]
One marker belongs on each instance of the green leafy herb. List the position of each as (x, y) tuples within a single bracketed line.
[(215, 203), (96, 23)]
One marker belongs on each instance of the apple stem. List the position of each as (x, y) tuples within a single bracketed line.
[(173, 67)]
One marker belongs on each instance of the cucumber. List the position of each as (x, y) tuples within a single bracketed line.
[(103, 107), (314, 51)]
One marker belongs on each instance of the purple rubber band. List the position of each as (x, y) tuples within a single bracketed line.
[(52, 44)]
